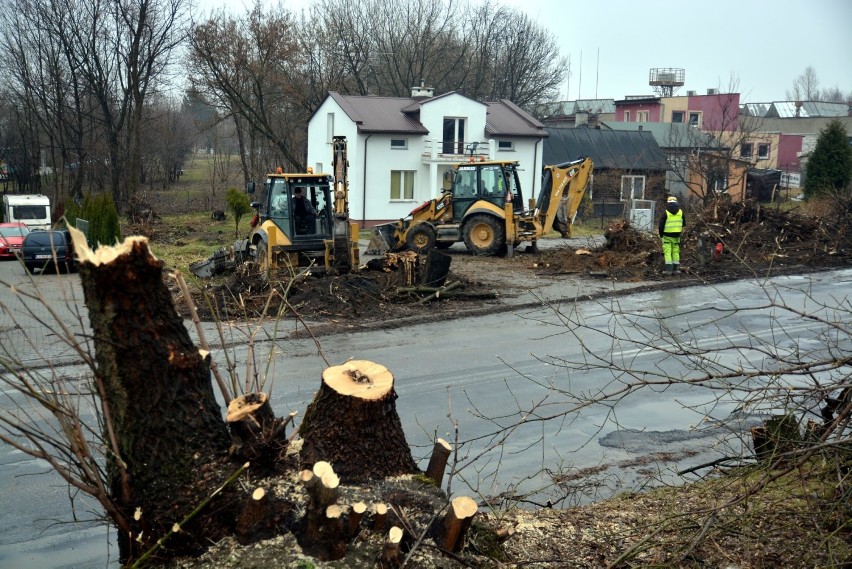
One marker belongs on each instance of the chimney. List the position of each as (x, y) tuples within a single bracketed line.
[(421, 90), (690, 93), (712, 91), (798, 108)]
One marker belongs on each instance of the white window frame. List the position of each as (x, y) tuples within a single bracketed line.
[(763, 151), (642, 116), (506, 145), (632, 185), (459, 135), (626, 116), (329, 127), (401, 144), (398, 186), (697, 115), (682, 115), (746, 150)]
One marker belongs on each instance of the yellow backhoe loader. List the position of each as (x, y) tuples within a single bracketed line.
[(482, 205), (303, 219)]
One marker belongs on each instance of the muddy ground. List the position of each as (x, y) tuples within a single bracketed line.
[(722, 242)]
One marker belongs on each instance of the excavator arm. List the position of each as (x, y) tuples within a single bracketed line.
[(563, 186), (341, 258)]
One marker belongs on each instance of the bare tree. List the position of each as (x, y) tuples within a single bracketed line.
[(121, 52), (805, 87), (711, 158), (241, 64)]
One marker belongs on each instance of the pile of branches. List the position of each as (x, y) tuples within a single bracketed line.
[(755, 232)]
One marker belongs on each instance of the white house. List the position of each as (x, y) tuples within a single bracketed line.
[(400, 147)]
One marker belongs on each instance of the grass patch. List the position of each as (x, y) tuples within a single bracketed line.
[(182, 239)]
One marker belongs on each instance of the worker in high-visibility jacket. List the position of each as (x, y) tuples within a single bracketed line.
[(671, 228)]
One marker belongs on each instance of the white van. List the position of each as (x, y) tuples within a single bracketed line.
[(32, 209)]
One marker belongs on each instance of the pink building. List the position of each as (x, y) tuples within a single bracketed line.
[(713, 112)]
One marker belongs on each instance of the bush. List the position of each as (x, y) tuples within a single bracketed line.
[(99, 210), (239, 204)]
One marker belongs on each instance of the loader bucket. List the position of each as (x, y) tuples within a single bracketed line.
[(383, 239)]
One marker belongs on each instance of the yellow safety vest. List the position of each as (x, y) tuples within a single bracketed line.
[(674, 222)]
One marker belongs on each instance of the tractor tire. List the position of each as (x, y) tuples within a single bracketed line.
[(421, 238), (484, 235)]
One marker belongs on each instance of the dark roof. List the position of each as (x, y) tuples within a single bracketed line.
[(380, 114), (505, 118), (400, 115), (668, 135), (608, 149)]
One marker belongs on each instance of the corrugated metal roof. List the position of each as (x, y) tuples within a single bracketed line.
[(609, 149), (400, 115), (669, 135), (808, 109)]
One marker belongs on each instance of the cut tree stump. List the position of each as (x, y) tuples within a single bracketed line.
[(391, 557), (438, 461), (157, 398), (256, 434), (436, 269), (255, 522), (456, 523), (353, 424)]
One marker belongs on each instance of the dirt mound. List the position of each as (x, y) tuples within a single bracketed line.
[(380, 290)]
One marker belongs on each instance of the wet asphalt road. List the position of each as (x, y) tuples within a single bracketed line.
[(477, 372)]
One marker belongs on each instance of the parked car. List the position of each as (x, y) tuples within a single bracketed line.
[(51, 249), (11, 237)]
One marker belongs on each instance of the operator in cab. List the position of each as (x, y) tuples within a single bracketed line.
[(304, 212)]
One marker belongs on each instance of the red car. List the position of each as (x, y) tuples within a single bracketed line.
[(11, 237)]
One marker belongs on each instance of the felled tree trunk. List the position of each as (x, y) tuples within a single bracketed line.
[(157, 393), (353, 424)]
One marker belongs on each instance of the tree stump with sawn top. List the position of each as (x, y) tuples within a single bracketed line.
[(256, 434), (353, 424)]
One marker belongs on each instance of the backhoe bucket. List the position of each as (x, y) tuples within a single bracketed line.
[(383, 239)]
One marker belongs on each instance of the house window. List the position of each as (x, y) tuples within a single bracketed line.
[(453, 142), (399, 143), (745, 150), (677, 116), (695, 119), (329, 126), (632, 188), (506, 145), (626, 116), (402, 184), (641, 116), (718, 183), (763, 151)]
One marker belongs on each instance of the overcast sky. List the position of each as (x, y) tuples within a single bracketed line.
[(762, 45)]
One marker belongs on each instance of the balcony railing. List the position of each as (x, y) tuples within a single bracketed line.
[(455, 151)]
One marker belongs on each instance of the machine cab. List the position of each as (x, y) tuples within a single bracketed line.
[(493, 182), (299, 205)]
